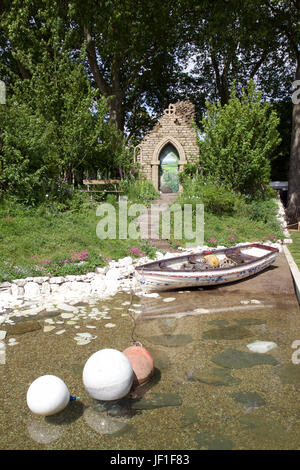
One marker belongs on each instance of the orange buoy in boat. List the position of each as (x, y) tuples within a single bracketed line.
[(141, 362), (211, 260)]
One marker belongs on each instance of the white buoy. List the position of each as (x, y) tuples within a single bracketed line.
[(47, 395), (108, 375)]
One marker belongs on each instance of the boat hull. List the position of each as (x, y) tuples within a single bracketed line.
[(155, 279)]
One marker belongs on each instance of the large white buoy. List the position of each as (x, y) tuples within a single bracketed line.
[(107, 375), (47, 395)]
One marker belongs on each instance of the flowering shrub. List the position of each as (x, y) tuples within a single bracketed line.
[(213, 241), (135, 252)]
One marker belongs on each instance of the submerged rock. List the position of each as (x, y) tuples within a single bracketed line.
[(157, 400), (234, 359), (249, 399), (218, 322), (171, 340), (214, 376), (227, 332), (250, 321), (288, 373), (264, 428), (23, 327), (207, 441), (190, 416)]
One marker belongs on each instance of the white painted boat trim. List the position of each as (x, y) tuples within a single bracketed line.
[(154, 278)]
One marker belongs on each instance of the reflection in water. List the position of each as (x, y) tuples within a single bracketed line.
[(102, 423), (43, 432)]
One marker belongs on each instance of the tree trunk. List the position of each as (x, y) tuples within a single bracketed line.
[(293, 205)]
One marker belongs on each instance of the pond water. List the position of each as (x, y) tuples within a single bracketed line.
[(209, 391)]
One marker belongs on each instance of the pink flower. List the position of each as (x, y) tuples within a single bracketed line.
[(232, 238), (213, 240)]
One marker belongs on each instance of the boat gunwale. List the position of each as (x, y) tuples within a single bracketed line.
[(147, 267)]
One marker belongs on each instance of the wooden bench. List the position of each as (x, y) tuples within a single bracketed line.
[(103, 182)]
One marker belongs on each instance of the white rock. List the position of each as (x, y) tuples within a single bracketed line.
[(33, 311), (67, 315), (2, 334), (153, 294), (12, 342), (113, 274), (48, 328), (45, 288), (17, 291), (60, 332), (261, 346), (255, 301), (84, 335), (89, 275), (71, 277), (169, 299), (127, 261), (31, 290), (83, 341), (57, 280), (19, 282), (109, 325), (54, 288), (68, 308)]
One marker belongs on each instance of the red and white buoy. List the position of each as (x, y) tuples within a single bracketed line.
[(141, 362)]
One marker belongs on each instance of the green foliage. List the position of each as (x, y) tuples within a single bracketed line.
[(55, 125), (140, 190), (238, 140), (217, 198), (45, 241)]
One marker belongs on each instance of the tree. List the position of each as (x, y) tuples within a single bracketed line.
[(125, 41), (231, 40), (287, 16), (238, 140), (55, 127)]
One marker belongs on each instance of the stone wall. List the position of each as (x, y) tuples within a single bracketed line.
[(174, 127)]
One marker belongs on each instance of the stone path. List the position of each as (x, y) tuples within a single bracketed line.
[(149, 222)]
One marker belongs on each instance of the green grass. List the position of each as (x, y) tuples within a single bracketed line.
[(295, 247), (228, 230), (29, 237), (43, 241)]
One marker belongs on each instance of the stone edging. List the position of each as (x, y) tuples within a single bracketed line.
[(294, 270)]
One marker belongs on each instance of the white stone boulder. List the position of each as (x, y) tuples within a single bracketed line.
[(31, 290), (261, 346), (113, 274), (127, 261)]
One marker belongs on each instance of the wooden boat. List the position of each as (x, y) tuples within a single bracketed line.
[(207, 268)]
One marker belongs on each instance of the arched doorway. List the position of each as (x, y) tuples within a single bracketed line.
[(168, 170)]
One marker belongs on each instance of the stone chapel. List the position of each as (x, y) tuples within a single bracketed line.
[(171, 143)]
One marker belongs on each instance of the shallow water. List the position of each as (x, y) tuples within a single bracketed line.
[(209, 391)]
